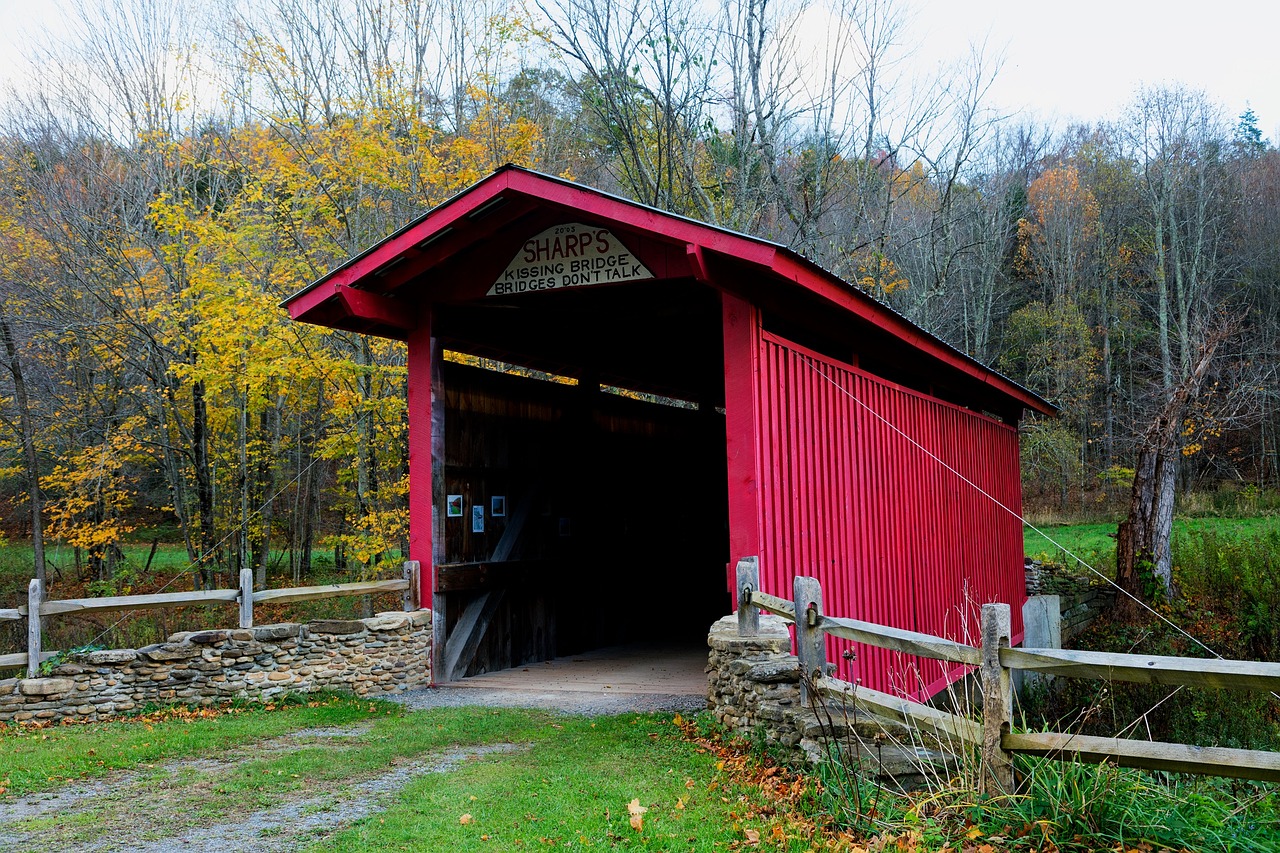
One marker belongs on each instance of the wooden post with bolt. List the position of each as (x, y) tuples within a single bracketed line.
[(807, 593), (246, 598), (748, 582), (35, 597), (411, 594), (997, 701)]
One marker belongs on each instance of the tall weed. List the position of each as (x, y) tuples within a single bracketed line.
[(1236, 578)]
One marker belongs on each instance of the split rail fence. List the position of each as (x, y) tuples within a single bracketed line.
[(37, 607), (995, 661)]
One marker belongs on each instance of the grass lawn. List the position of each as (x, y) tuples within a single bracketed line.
[(1096, 542), (630, 781)]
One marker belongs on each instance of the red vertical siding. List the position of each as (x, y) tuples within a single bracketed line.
[(894, 536)]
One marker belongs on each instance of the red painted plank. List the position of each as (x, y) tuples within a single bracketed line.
[(894, 536), (420, 491), (741, 382)]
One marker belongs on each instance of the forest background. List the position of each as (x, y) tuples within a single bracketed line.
[(175, 173)]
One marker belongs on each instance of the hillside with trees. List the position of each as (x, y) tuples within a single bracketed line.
[(171, 176)]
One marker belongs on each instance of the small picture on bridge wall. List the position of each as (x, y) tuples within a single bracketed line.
[(453, 506), (477, 519), (498, 506)]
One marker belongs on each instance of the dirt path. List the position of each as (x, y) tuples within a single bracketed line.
[(158, 809), (196, 806)]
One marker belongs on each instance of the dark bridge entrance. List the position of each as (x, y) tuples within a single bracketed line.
[(581, 474)]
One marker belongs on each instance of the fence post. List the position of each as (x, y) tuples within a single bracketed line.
[(748, 582), (997, 700), (411, 594), (810, 643), (1042, 629), (246, 598), (35, 596)]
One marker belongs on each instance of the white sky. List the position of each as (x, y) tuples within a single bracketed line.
[(1083, 59), (1067, 60)]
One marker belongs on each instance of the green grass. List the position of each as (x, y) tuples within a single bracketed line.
[(16, 561), (564, 781), (44, 759), (572, 790), (1096, 542)]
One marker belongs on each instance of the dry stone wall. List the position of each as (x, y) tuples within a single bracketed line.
[(383, 654), (1082, 599), (753, 689)]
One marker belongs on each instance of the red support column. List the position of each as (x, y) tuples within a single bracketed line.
[(421, 524), (742, 422)]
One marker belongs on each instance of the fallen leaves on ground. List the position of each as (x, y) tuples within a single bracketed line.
[(175, 713), (637, 814)]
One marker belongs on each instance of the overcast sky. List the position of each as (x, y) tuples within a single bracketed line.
[(1077, 60), (1084, 59)]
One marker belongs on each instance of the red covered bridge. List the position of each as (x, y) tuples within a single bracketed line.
[(600, 392)]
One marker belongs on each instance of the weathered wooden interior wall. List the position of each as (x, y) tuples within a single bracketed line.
[(894, 537), (603, 490)]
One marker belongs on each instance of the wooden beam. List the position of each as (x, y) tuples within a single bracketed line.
[(940, 724), (741, 322), (1149, 755), (506, 547), (997, 700), (471, 577), (810, 642), (21, 659), (775, 605), (420, 368), (468, 633), (107, 604), (1147, 669), (748, 583), (437, 491), (336, 590), (376, 308), (411, 571), (246, 598), (900, 640), (35, 596), (10, 613)]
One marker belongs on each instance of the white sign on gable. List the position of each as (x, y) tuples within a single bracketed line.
[(573, 255)]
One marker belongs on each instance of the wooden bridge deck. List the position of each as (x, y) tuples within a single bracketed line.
[(632, 669)]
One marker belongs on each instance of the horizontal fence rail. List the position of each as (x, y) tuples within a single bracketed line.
[(941, 724), (1147, 669), (1149, 755), (245, 596), (336, 590), (112, 603), (995, 661), (22, 659), (772, 604), (899, 640)]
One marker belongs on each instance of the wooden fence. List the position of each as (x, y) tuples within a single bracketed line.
[(37, 607), (994, 661)]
